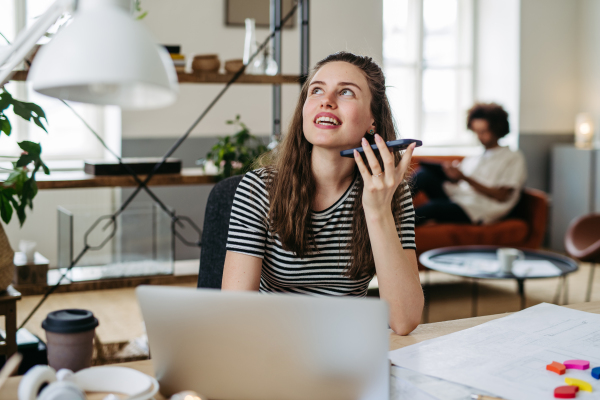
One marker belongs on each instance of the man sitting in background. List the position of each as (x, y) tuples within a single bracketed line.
[(480, 189)]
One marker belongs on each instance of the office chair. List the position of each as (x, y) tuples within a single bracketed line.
[(582, 241), (214, 233)]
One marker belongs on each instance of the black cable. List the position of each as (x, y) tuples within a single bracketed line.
[(173, 148), (127, 168), (208, 108)]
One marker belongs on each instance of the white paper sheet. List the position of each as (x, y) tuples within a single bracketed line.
[(508, 356), (525, 268), (411, 385)]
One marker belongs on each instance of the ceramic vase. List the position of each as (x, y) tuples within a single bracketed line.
[(250, 48)]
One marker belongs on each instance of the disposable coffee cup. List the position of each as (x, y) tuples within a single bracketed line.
[(70, 338)]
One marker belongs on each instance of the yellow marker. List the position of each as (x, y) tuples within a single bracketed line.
[(582, 385)]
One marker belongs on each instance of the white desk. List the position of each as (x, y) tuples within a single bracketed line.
[(423, 332)]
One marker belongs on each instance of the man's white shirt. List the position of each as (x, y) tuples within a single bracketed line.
[(496, 168)]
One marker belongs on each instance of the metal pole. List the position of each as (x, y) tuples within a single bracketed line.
[(275, 27), (303, 13), (521, 284), (588, 294)]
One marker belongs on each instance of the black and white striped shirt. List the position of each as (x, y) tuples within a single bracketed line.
[(319, 273)]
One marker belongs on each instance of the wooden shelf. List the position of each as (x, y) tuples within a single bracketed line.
[(103, 284), (224, 78), (79, 179), (213, 78)]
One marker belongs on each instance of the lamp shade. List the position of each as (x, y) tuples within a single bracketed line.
[(105, 57)]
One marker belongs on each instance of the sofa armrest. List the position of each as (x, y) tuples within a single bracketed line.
[(534, 209)]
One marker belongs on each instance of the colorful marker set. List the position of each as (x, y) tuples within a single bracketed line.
[(574, 385)]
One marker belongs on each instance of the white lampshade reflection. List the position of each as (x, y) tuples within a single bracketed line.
[(105, 57), (584, 130)]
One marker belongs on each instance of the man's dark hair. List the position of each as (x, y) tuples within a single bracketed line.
[(494, 114)]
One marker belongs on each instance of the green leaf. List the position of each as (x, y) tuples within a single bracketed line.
[(20, 209), (25, 160), (32, 148), (5, 125), (5, 100), (241, 148), (16, 180), (30, 190), (21, 111), (7, 202), (29, 111)]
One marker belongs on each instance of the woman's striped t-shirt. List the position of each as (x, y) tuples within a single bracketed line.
[(319, 273)]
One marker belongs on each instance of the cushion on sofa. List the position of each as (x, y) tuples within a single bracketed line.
[(509, 232)]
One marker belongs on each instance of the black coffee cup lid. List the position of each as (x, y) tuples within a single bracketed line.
[(70, 321)]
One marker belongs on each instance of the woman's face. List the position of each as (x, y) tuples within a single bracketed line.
[(337, 111)]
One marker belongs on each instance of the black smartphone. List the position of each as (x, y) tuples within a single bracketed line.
[(393, 145)]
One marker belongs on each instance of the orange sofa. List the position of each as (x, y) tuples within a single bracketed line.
[(524, 227)]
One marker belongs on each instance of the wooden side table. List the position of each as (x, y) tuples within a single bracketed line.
[(8, 308)]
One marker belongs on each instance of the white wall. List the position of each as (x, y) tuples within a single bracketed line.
[(590, 60), (550, 85), (497, 58), (198, 25)]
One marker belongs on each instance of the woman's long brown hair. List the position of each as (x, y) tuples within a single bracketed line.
[(292, 188)]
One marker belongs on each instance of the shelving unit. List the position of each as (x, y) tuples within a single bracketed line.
[(302, 14), (214, 78)]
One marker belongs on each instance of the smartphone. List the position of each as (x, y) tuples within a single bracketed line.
[(393, 145)]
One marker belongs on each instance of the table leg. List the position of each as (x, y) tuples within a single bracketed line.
[(11, 328), (474, 295), (558, 291), (590, 282), (566, 291), (521, 283)]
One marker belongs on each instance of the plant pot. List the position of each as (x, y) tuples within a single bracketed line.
[(7, 268), (208, 63), (233, 66)]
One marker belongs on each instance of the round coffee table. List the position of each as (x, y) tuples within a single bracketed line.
[(481, 262)]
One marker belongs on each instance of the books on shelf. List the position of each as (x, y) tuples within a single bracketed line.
[(177, 57)]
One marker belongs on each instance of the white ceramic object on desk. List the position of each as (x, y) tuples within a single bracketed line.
[(507, 256)]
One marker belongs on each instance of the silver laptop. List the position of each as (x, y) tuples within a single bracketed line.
[(247, 346)]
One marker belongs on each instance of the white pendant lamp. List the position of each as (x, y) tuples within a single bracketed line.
[(105, 57)]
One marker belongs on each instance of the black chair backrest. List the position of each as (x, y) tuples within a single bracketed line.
[(214, 233)]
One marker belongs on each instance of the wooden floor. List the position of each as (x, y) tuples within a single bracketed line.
[(449, 298)]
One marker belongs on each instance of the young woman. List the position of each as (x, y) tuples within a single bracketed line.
[(312, 222)]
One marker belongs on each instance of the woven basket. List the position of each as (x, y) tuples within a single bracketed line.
[(7, 268)]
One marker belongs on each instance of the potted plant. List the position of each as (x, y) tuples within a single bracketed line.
[(234, 155), (17, 186)]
